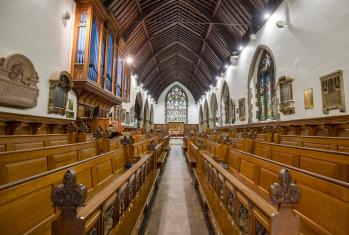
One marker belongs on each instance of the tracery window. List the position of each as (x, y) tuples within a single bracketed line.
[(176, 105), (265, 88)]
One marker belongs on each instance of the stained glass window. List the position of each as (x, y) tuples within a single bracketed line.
[(265, 88), (176, 105)]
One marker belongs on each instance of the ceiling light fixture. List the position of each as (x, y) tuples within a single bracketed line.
[(241, 47), (129, 60), (266, 15), (226, 66)]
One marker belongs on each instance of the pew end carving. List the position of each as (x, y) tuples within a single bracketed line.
[(68, 197)]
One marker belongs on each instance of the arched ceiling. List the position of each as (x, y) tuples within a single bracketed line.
[(187, 41)]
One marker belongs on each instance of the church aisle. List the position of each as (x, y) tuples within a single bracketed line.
[(176, 208)]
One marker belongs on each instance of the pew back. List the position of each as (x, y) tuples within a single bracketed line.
[(328, 163), (15, 165), (22, 142), (340, 144)]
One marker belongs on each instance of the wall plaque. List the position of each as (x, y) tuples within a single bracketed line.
[(60, 85), (308, 98), (18, 82), (242, 110), (286, 95), (332, 89)]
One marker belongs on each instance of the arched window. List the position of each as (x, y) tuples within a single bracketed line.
[(265, 88), (176, 105)]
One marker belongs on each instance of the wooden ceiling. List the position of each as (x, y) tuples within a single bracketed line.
[(188, 41)]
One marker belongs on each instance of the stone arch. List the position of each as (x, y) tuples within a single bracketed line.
[(151, 114), (138, 109), (201, 117), (252, 98), (214, 111), (146, 114), (225, 105), (206, 119)]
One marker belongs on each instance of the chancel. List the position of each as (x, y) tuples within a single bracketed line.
[(162, 117)]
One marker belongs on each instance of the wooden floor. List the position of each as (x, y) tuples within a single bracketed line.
[(176, 208)]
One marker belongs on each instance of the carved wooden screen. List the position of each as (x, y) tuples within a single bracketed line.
[(176, 105), (265, 88)]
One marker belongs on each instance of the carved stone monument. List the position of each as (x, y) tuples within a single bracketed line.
[(18, 82), (332, 88), (60, 85), (286, 95)]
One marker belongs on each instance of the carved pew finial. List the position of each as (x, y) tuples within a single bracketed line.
[(285, 195), (284, 192), (68, 197)]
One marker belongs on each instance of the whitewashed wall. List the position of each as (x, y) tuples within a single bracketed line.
[(35, 28), (193, 110), (315, 44)]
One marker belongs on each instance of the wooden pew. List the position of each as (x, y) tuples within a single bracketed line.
[(160, 155), (21, 142), (217, 150), (192, 154), (328, 163), (25, 205), (120, 207), (15, 165), (324, 204), (340, 144), (166, 140), (137, 149), (234, 208)]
